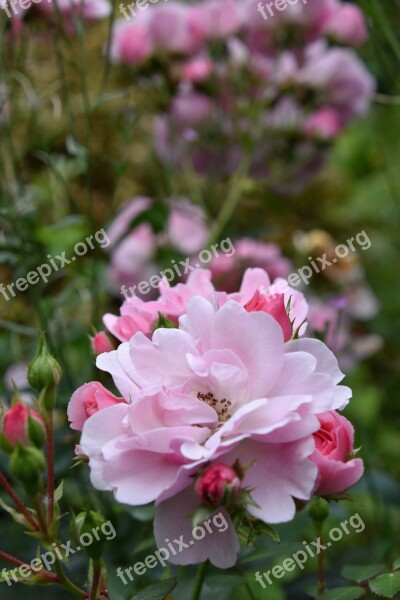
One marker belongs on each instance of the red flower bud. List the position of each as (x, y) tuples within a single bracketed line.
[(217, 483), (101, 343), (16, 427), (275, 306)]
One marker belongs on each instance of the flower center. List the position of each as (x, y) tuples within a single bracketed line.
[(221, 407)]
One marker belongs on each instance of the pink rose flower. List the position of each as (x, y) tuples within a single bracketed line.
[(217, 482), (274, 306), (333, 455), (186, 227), (15, 424), (225, 384), (88, 400), (197, 69)]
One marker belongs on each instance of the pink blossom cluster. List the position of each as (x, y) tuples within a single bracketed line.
[(283, 88), (229, 398), (137, 250)]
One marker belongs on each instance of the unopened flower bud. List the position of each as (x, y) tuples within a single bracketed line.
[(318, 509), (26, 465), (101, 343), (23, 425), (85, 530), (219, 483), (44, 371)]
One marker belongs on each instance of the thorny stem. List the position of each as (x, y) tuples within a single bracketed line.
[(18, 502), (16, 561)]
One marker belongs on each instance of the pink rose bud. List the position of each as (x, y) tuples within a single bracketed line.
[(16, 427), (347, 25), (275, 306), (217, 483), (101, 343), (333, 455), (88, 400), (324, 123)]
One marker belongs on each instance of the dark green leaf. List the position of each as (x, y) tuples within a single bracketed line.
[(157, 591), (361, 573), (386, 585), (343, 593)]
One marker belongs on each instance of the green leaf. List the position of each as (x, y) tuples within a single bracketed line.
[(386, 585), (343, 593), (58, 493), (157, 591), (361, 573), (15, 514), (396, 564)]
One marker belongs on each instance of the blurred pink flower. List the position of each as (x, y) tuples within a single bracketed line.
[(347, 25), (324, 123)]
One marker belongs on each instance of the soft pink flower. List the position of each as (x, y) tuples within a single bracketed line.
[(222, 385), (88, 400), (341, 77), (197, 69), (191, 110), (347, 25), (324, 123), (186, 227), (227, 270), (171, 29), (15, 424), (333, 455), (131, 42), (221, 18), (101, 343), (216, 482), (274, 306)]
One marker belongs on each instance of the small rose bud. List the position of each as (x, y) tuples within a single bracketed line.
[(26, 465), (23, 425), (275, 306), (218, 483), (318, 509), (44, 371), (101, 343), (83, 528)]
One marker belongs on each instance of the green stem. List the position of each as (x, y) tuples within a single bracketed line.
[(50, 467), (67, 583), (96, 579), (231, 203), (198, 584)]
